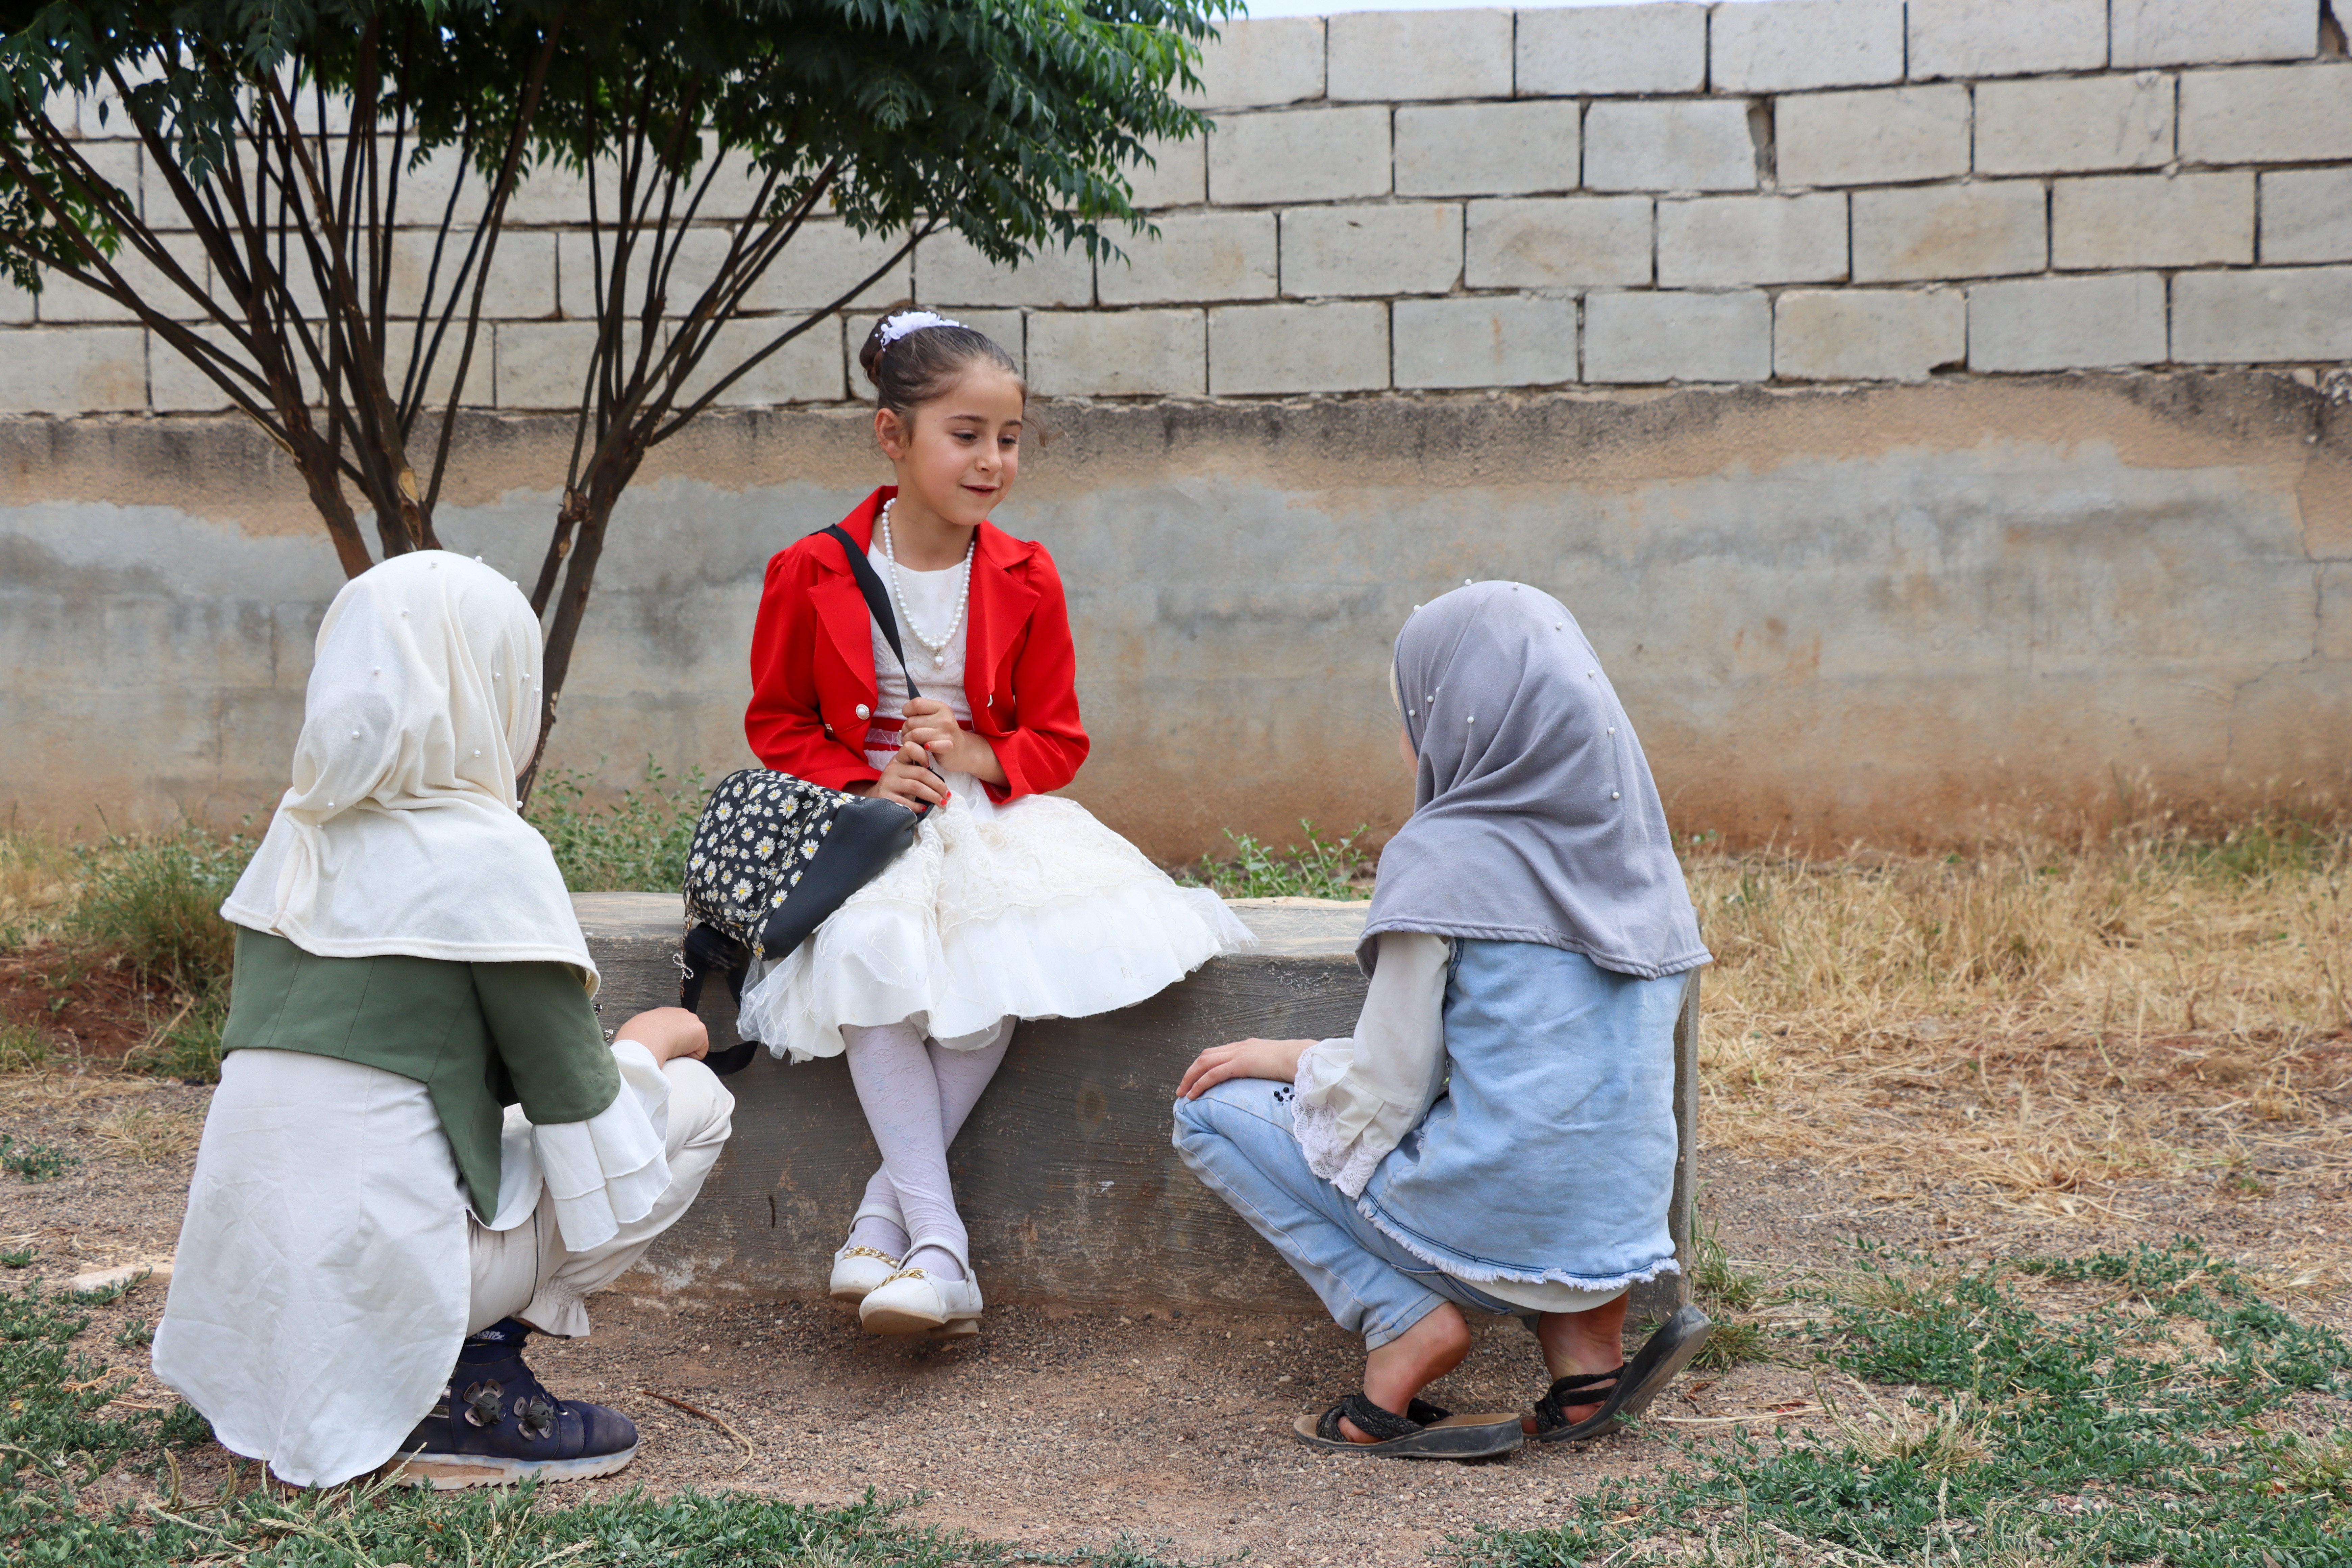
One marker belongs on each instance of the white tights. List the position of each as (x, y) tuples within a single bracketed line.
[(916, 1095)]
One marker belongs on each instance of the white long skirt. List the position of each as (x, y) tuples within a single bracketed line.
[(1028, 910)]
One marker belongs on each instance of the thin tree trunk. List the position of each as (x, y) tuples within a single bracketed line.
[(608, 476)]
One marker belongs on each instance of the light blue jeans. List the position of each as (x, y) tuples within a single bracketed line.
[(1236, 1137)]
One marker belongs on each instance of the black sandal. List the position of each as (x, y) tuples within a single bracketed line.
[(1422, 1432), (1627, 1391)]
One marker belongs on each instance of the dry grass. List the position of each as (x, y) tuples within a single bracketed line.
[(36, 879), (1990, 1017), (145, 1134)]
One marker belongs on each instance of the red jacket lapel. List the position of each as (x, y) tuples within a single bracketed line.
[(838, 603), (1002, 599)]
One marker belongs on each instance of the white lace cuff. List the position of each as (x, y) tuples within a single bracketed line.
[(1346, 1160), (602, 1172)]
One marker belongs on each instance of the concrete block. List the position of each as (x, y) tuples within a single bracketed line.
[(1793, 45), (1488, 148), (1593, 49), (827, 260), (1879, 137), (1980, 230), (551, 194), (1673, 146), (1563, 242), (16, 304), (1411, 248), (1485, 341), (538, 364), (809, 369), (1006, 327), (2152, 220), (1197, 255), (1065, 1166), (73, 370), (1257, 64), (1300, 155), (948, 271), (583, 266), (2274, 315), (2280, 114), (1178, 175), (2073, 123), (1716, 242), (121, 164), (64, 301), (2067, 324), (1867, 334), (1260, 349), (2006, 37), (1648, 338), (1119, 353), (175, 385), (2307, 216), (2210, 32), (523, 275), (1387, 56)]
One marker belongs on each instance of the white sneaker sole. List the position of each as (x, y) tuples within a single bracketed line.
[(900, 1320), (454, 1472)]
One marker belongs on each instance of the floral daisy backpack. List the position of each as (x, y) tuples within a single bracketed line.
[(773, 855)]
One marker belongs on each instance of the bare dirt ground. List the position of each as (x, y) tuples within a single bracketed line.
[(1069, 1430)]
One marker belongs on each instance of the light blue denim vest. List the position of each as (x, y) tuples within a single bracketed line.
[(1550, 1156)]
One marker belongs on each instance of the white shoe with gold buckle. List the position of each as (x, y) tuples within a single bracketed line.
[(918, 1301)]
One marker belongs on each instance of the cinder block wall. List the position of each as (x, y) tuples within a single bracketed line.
[(1811, 191), (2013, 456)]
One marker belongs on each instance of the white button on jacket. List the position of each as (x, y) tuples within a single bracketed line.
[(864, 711)]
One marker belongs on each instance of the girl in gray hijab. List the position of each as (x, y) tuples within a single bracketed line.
[(1498, 1132)]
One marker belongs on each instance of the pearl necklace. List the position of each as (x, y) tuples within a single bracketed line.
[(939, 649)]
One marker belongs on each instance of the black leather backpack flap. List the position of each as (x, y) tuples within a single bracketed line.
[(868, 833)]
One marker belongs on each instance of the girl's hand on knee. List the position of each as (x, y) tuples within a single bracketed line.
[(668, 1033), (1275, 1059)]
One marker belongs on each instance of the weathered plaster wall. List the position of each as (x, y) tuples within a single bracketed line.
[(1868, 613)]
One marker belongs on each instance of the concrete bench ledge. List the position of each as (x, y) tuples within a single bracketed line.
[(1063, 1173)]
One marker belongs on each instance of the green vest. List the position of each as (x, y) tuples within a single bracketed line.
[(478, 1036)]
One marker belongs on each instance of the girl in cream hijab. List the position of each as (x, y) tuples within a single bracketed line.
[(422, 1148)]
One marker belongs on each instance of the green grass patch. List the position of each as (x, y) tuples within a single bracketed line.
[(22, 1049), (153, 904), (1316, 868), (636, 843), (1973, 1424), (31, 1162), (58, 1435)]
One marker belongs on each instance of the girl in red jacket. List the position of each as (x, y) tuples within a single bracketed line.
[(1011, 904)]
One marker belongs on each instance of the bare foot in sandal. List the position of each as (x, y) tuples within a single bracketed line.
[(1581, 1345)]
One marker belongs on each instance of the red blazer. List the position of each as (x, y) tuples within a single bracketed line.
[(813, 682)]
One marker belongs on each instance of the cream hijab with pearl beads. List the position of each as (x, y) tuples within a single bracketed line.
[(399, 833)]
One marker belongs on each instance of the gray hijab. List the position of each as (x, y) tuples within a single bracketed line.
[(1534, 818)]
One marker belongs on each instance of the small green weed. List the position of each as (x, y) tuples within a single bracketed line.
[(104, 1295), (17, 1257), (34, 1161), (1733, 1341), (2016, 1433), (187, 1045), (638, 843), (154, 903), (136, 1334), (1314, 870), (22, 1049)]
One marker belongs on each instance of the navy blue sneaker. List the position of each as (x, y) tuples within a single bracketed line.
[(496, 1423)]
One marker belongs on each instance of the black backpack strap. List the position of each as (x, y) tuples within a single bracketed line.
[(877, 600)]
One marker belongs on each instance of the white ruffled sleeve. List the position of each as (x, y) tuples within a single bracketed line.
[(602, 1172), (1357, 1096)]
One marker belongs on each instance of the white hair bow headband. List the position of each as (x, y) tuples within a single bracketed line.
[(905, 321)]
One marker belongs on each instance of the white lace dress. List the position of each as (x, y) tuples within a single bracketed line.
[(1028, 910)]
